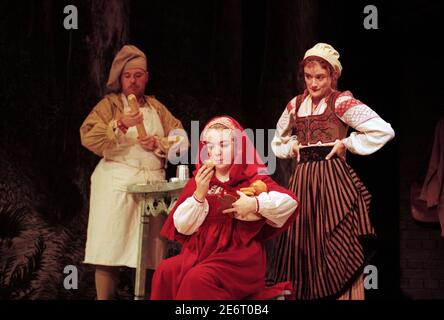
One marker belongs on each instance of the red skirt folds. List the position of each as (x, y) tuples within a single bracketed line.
[(216, 263), (321, 253)]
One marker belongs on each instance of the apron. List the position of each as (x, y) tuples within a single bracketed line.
[(114, 215)]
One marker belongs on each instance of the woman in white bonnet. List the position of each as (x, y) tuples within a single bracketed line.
[(321, 253)]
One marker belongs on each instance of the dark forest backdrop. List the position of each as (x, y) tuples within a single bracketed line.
[(205, 58)]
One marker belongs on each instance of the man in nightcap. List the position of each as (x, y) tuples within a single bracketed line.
[(111, 132)]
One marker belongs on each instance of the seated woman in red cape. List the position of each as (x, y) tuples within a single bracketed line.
[(222, 230)]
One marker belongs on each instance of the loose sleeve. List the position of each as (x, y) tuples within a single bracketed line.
[(276, 207), (283, 140), (372, 132), (97, 132), (190, 215)]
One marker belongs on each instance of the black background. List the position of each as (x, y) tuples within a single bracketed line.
[(206, 58)]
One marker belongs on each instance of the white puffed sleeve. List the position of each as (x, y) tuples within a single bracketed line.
[(372, 135), (276, 207), (190, 215), (372, 131), (283, 140)]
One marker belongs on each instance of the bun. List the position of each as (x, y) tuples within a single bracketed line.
[(248, 191), (210, 163), (255, 189), (259, 187)]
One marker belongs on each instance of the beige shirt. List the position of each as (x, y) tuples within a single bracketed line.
[(97, 131)]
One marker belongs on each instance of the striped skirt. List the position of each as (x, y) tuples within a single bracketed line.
[(321, 252)]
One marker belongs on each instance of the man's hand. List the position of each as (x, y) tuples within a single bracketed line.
[(203, 177), (132, 119), (244, 208), (148, 143), (338, 149)]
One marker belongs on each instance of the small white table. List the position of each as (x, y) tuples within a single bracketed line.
[(157, 198)]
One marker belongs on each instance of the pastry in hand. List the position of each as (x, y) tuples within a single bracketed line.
[(167, 142), (248, 191), (210, 163), (255, 189), (259, 187)]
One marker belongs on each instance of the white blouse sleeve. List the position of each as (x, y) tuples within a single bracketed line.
[(276, 207), (372, 135), (372, 131), (190, 215), (283, 141)]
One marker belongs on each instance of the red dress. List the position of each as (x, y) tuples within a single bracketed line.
[(226, 258)]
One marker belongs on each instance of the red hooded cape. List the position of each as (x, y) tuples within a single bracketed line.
[(226, 249)]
